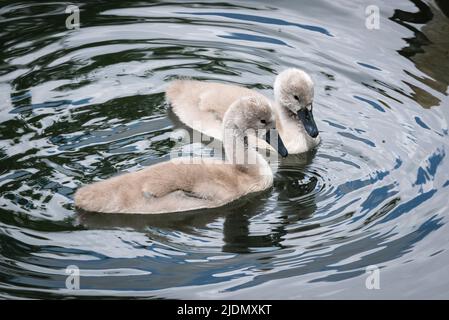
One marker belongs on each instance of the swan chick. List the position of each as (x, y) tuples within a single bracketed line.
[(184, 184)]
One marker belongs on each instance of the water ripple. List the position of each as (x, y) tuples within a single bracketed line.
[(82, 105)]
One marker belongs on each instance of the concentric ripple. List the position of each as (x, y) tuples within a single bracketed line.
[(81, 105)]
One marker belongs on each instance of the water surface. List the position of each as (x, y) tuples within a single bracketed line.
[(78, 106)]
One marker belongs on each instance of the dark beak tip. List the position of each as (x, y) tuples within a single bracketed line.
[(306, 117), (280, 147)]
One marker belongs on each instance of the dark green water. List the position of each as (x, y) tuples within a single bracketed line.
[(77, 106)]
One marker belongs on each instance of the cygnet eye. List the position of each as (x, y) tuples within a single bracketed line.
[(263, 121), (296, 97)]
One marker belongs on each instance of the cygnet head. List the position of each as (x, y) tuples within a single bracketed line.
[(293, 90), (249, 115), (250, 112)]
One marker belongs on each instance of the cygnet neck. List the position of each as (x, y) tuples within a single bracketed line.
[(237, 149)]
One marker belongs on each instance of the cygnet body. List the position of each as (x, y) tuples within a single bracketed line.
[(184, 184), (202, 105)]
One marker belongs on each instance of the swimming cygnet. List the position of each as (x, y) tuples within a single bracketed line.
[(201, 105), (182, 184)]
